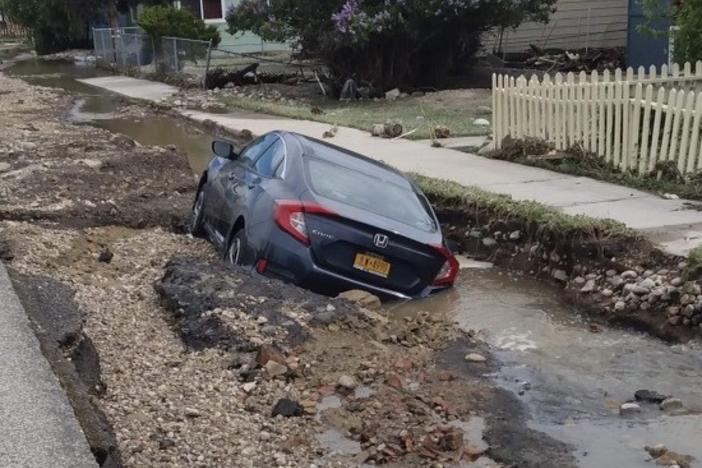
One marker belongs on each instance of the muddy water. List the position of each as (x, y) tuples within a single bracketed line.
[(98, 107), (573, 380)]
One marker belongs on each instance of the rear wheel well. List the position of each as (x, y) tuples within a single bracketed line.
[(238, 225), (203, 181)]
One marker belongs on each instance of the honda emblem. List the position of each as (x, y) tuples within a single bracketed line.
[(380, 240)]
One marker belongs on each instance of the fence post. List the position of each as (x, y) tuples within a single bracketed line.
[(643, 154), (679, 103), (692, 154), (176, 68), (653, 156), (689, 103), (207, 64)]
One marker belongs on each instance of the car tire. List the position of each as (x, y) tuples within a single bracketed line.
[(196, 226), (238, 251)]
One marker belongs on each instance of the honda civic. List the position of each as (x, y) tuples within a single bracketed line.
[(322, 217)]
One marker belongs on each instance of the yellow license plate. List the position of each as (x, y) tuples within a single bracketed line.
[(372, 264)]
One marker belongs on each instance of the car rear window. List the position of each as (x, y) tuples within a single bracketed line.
[(369, 192)]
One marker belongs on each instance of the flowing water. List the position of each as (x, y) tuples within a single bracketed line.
[(571, 379)]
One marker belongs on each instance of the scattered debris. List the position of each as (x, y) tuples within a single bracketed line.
[(393, 94), (331, 133), (442, 131), (287, 408), (475, 357), (649, 396), (387, 130), (628, 409), (671, 404)]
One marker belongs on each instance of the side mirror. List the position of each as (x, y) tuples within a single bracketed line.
[(223, 149)]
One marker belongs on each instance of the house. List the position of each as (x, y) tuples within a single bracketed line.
[(214, 12), (581, 24)]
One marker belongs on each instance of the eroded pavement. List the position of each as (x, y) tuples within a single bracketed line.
[(194, 355)]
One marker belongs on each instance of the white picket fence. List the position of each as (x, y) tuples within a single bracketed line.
[(631, 119)]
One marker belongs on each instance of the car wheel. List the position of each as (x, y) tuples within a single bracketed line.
[(196, 220), (238, 252)]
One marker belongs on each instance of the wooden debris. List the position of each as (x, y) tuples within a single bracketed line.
[(387, 130)]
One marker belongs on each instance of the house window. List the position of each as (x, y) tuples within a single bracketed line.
[(212, 10)]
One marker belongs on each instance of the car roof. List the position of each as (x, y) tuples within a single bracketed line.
[(312, 147)]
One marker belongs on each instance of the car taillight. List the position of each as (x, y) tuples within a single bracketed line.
[(449, 270), (290, 216)]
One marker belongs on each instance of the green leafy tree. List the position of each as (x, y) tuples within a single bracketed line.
[(386, 43), (165, 21), (56, 24), (686, 16)]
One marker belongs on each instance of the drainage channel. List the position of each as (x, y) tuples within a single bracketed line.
[(572, 376)]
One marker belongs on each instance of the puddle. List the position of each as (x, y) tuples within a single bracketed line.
[(573, 380), (97, 107)]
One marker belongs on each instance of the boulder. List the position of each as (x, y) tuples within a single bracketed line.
[(362, 298)]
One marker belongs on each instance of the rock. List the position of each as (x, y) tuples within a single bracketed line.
[(616, 282), (451, 441), (676, 282), (105, 255), (649, 396), (560, 275), (248, 387), (629, 274), (395, 380), (620, 306), (475, 357), (268, 353), (489, 242), (481, 122), (628, 409), (656, 450), (673, 459), (91, 163), (122, 141), (579, 280), (611, 273), (347, 382), (362, 298), (287, 408), (515, 235), (589, 287), (192, 413), (646, 286), (671, 404), (393, 94), (607, 292), (5, 166), (275, 369), (442, 131)]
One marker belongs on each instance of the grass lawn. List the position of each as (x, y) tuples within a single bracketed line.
[(455, 109)]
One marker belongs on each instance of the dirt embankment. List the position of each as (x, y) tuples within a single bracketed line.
[(190, 358)]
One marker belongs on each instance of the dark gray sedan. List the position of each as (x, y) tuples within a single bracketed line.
[(321, 217)]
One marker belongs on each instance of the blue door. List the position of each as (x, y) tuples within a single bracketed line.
[(643, 48)]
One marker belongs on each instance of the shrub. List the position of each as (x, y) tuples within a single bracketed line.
[(159, 21), (386, 43), (688, 38)]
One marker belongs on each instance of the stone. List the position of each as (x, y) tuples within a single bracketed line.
[(393, 94), (515, 235), (560, 275), (248, 387), (481, 122), (362, 298), (347, 382), (674, 320), (192, 413), (268, 353), (105, 255), (649, 396), (275, 369), (287, 408), (671, 404), (656, 450), (611, 273), (628, 409), (646, 286), (616, 282), (676, 281), (5, 166), (579, 280), (395, 380), (489, 242), (589, 287), (620, 306), (475, 357), (451, 441), (629, 274), (607, 292), (673, 459)]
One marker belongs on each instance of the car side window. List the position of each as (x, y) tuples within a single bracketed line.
[(254, 150), (267, 164)]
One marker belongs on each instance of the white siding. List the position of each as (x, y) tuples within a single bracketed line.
[(576, 24)]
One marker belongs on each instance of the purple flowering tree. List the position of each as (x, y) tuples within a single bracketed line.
[(385, 43)]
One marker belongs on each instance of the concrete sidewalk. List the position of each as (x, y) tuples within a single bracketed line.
[(37, 425), (670, 223)]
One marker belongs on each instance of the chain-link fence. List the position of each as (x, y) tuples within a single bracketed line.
[(132, 51)]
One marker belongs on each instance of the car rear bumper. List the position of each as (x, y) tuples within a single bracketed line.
[(290, 261)]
